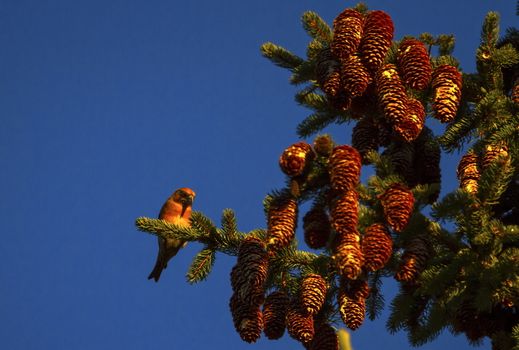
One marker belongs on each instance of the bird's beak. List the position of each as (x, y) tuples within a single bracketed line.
[(186, 203)]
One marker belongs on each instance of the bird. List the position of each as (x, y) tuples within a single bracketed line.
[(176, 210)]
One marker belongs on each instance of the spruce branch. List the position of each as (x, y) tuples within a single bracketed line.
[(280, 56), (316, 27), (166, 230), (201, 266)]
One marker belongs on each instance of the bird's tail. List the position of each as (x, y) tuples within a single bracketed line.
[(157, 270)]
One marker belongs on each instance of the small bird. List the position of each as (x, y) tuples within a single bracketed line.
[(176, 210)]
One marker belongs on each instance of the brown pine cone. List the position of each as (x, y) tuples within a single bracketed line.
[(325, 338), (413, 61), (313, 293), (344, 166), (355, 77), (427, 161), (493, 153), (347, 255), (411, 125), (447, 83), (392, 95), (376, 40), (468, 172), (345, 212), (323, 145), (328, 72), (398, 204), (248, 320), (282, 219), (352, 311), (274, 313), (300, 325), (401, 155), (414, 260), (296, 158), (515, 93), (317, 228), (364, 137), (347, 33), (377, 247)]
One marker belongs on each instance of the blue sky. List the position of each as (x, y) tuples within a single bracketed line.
[(106, 107)]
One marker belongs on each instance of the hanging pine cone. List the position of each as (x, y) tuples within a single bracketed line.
[(328, 72), (344, 167), (515, 93), (427, 161), (355, 77), (364, 137), (401, 155), (446, 82), (352, 311), (317, 228), (300, 325), (282, 219), (274, 313), (248, 320), (376, 40), (384, 132), (325, 338), (345, 212), (413, 61), (398, 204), (347, 255), (468, 172), (377, 247), (414, 260), (358, 289), (411, 125), (347, 32), (493, 153), (392, 95), (296, 158), (313, 293), (323, 145)]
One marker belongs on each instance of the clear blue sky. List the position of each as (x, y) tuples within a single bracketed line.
[(106, 107)]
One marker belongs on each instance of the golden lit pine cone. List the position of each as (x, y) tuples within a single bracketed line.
[(328, 73), (391, 92), (313, 293), (401, 155), (347, 33), (352, 311), (317, 228), (447, 83), (347, 255), (468, 172), (300, 325), (413, 261), (325, 338), (282, 219), (377, 247), (364, 137), (515, 93), (493, 153), (274, 314), (410, 126), (250, 272), (296, 158), (376, 40), (355, 77), (345, 212), (413, 61), (344, 167), (398, 204), (248, 320)]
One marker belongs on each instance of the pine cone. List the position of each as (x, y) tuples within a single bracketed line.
[(376, 40), (411, 125), (296, 158), (347, 33), (250, 272), (364, 137), (317, 228), (446, 82), (384, 132), (377, 247), (274, 313), (401, 155), (355, 77), (344, 167), (515, 93), (427, 161), (313, 293), (493, 153), (358, 289), (392, 95), (300, 325), (352, 311), (323, 145), (282, 219), (328, 72), (414, 260), (413, 61), (248, 320), (398, 204), (347, 255), (468, 172), (325, 338), (345, 212)]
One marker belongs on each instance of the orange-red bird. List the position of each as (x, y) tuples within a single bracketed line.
[(176, 210)]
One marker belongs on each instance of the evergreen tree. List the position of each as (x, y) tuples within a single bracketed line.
[(456, 257)]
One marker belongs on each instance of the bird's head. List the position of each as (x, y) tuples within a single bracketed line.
[(184, 196)]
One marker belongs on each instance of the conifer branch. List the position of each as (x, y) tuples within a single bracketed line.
[(201, 266), (316, 27), (280, 56)]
